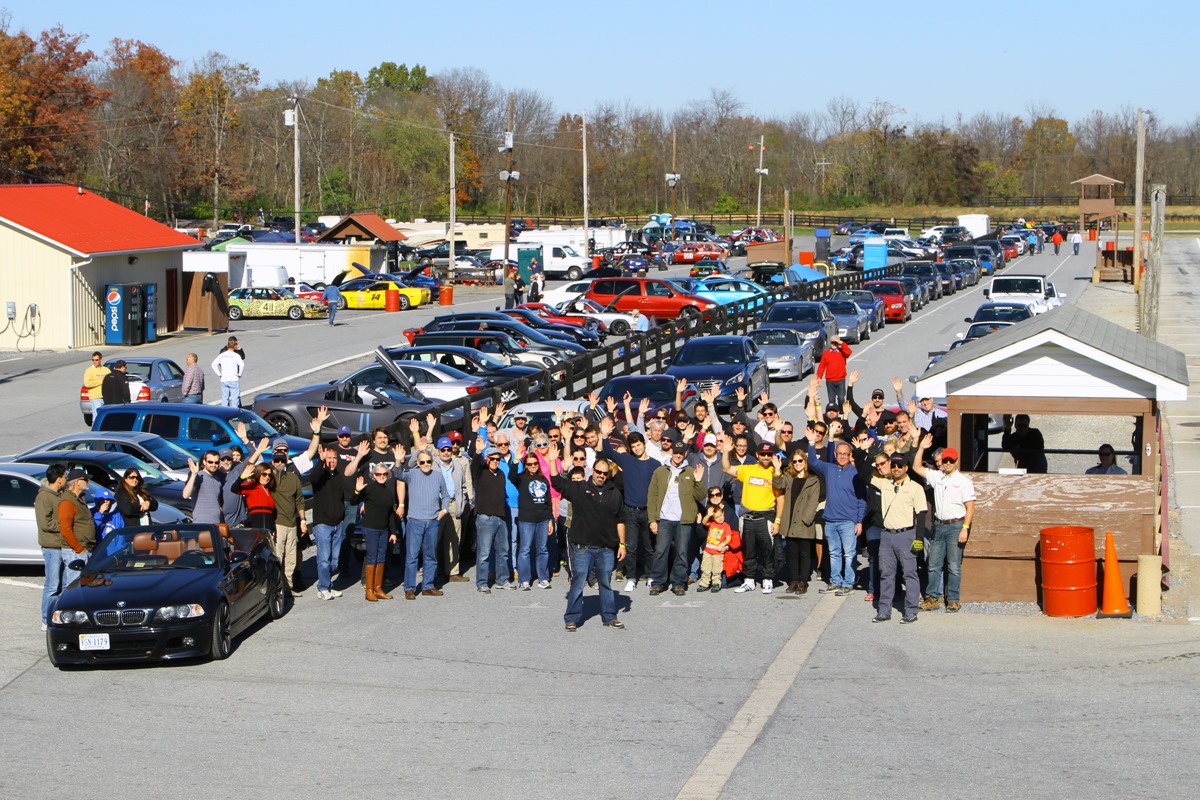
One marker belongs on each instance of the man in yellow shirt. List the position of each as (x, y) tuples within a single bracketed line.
[(93, 377), (763, 511)]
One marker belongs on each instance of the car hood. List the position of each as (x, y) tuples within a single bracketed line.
[(778, 350), (95, 591), (847, 319), (704, 371), (803, 327)]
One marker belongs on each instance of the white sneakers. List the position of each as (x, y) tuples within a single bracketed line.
[(543, 584), (747, 586), (322, 595), (768, 586), (334, 592), (630, 586)]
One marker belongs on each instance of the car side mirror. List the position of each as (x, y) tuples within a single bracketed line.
[(239, 556), (666, 362), (966, 319), (987, 293), (960, 336), (77, 565)]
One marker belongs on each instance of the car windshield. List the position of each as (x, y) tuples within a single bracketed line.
[(1003, 314), (256, 426), (962, 263), (708, 352), (775, 336), (168, 453), (134, 549), (792, 314), (658, 390), (842, 307), (980, 329), (570, 251), (136, 369), (884, 289), (150, 474), (1017, 286)]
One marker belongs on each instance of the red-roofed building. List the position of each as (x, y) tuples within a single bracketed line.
[(359, 227), (61, 247)]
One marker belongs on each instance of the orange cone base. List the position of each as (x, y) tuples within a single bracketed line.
[(1115, 605)]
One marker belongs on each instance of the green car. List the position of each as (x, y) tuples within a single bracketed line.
[(266, 302)]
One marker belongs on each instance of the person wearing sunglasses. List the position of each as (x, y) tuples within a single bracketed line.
[(675, 496), (637, 467), (380, 496), (597, 527), (761, 518), (205, 481), (875, 469), (491, 519), (954, 510), (426, 499), (534, 515), (801, 496), (845, 508), (902, 504)]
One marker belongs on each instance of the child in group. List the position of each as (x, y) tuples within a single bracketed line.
[(105, 513), (716, 543)]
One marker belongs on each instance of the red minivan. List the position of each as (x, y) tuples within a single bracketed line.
[(653, 297), (896, 305)]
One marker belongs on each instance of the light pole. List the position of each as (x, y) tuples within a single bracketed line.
[(508, 176), (760, 172), (291, 118), (672, 179)]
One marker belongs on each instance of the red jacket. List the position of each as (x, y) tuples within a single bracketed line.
[(833, 363)]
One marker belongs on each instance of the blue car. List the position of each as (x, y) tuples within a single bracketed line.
[(727, 291), (862, 234), (853, 323), (195, 428), (868, 302)]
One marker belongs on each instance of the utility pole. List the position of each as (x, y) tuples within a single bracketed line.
[(507, 177), (585, 186), (294, 114), (453, 209), (822, 164), (674, 184), (760, 171), (787, 224), (1137, 203)]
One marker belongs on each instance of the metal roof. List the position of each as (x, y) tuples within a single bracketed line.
[(1069, 320)]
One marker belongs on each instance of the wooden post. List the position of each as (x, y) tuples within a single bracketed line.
[(1137, 202)]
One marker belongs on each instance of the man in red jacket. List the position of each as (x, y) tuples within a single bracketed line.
[(833, 369)]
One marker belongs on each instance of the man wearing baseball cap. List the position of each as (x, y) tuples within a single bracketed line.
[(675, 496), (75, 523), (900, 508), (832, 368), (763, 513), (457, 474), (953, 510)]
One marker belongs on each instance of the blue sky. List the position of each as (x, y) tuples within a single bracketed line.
[(935, 60)]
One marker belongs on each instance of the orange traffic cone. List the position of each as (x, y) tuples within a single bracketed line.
[(1115, 605)]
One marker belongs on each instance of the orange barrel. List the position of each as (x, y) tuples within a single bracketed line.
[(392, 300), (1110, 245), (1091, 234), (1068, 571), (597, 261), (446, 295)]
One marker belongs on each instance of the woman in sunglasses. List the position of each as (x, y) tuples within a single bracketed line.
[(133, 501), (801, 494), (534, 514)]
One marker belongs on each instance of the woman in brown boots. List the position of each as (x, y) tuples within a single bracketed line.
[(380, 496), (801, 494)]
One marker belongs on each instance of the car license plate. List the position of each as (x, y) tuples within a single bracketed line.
[(93, 641)]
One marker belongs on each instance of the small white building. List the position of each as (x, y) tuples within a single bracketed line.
[(61, 247)]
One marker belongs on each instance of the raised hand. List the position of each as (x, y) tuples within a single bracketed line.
[(364, 447), (644, 406), (852, 378), (698, 472), (610, 403), (689, 432), (912, 407), (193, 465), (483, 415), (710, 396), (811, 435), (360, 484), (593, 398), (763, 397), (681, 386), (499, 412), (926, 441), (897, 384), (414, 426), (430, 421), (777, 462), (552, 453), (606, 426), (741, 394), (264, 445), (398, 452), (239, 428)]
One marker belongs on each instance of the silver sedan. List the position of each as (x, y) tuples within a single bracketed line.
[(788, 354), (440, 383)]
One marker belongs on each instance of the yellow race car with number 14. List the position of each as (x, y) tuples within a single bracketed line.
[(370, 293)]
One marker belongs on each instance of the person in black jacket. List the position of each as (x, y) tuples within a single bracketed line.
[(115, 386), (329, 508), (133, 501), (874, 468), (379, 495), (491, 519), (596, 528), (534, 513)]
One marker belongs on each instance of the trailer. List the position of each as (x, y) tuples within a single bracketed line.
[(314, 264)]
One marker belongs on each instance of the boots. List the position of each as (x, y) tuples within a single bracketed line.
[(370, 582), (794, 587), (379, 592)]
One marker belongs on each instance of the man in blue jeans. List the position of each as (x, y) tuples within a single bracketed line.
[(50, 539), (491, 519), (596, 529), (845, 507), (427, 501), (328, 507), (954, 508)]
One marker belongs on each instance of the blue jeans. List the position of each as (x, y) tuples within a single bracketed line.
[(99, 401), (332, 312), (945, 549), (534, 537), (376, 542), (329, 547), (583, 559), (513, 542), (231, 394), (420, 543), (843, 545), (490, 532), (53, 558), (195, 399)]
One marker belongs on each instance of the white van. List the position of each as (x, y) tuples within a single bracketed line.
[(558, 261)]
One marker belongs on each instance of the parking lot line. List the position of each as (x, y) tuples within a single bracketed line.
[(715, 769), (10, 582)]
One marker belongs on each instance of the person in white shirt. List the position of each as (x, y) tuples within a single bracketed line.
[(1108, 462), (228, 368), (1076, 240), (953, 508)]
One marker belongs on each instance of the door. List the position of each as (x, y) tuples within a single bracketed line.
[(171, 378), (172, 300), (18, 528)]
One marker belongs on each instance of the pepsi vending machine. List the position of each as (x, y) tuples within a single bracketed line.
[(151, 320), (125, 314)]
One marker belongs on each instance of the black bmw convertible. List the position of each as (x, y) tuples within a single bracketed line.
[(158, 592)]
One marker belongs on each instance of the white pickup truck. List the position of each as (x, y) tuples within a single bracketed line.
[(1031, 290)]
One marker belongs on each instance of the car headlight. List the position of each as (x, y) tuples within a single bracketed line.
[(69, 618), (548, 361), (812, 335), (787, 358), (186, 611), (896, 305), (734, 380), (842, 331)]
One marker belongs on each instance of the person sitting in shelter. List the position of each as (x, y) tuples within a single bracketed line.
[(1108, 462)]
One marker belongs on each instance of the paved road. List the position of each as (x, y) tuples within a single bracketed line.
[(703, 696)]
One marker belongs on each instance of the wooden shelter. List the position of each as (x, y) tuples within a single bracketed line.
[(362, 227), (1097, 203), (1066, 361)]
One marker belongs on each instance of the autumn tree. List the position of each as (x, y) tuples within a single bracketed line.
[(46, 101), (210, 105)]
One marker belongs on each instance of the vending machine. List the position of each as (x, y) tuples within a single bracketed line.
[(125, 314)]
